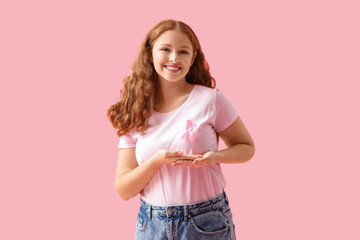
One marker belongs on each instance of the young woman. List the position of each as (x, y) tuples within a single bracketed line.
[(169, 119)]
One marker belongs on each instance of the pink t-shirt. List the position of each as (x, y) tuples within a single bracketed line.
[(191, 128)]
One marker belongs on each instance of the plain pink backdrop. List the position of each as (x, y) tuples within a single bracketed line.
[(291, 68)]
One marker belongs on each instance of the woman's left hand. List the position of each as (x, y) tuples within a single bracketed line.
[(205, 159)]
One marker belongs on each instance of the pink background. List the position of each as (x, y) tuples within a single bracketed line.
[(291, 68)]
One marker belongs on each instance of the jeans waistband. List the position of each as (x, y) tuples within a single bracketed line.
[(185, 210)]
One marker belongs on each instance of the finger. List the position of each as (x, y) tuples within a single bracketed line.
[(179, 159), (201, 161), (198, 160), (190, 156), (183, 163), (173, 153), (191, 163)]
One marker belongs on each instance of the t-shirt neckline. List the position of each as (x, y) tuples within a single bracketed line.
[(180, 107)]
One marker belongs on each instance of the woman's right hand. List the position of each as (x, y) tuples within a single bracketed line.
[(170, 157)]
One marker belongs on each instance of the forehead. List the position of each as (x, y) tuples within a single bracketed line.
[(173, 38)]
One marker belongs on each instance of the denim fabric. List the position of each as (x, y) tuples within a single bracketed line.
[(211, 219)]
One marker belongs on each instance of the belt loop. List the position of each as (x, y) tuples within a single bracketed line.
[(149, 212), (186, 213)]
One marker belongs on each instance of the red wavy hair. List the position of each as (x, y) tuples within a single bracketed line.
[(138, 95)]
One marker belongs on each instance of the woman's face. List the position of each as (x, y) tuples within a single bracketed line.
[(172, 56)]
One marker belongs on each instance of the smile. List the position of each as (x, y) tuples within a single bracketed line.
[(172, 68)]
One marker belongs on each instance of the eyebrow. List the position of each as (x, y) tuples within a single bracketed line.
[(184, 46)]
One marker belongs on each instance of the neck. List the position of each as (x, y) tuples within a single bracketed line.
[(169, 92)]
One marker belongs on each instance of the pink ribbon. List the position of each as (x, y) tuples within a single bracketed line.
[(189, 128)]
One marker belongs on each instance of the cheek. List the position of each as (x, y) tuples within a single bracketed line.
[(188, 61), (159, 59), (158, 67)]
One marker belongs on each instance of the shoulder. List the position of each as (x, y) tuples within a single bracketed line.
[(205, 89), (132, 134), (210, 94), (128, 140), (205, 93)]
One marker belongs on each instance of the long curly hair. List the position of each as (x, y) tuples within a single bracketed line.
[(137, 98)]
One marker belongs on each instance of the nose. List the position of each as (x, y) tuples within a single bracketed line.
[(174, 57)]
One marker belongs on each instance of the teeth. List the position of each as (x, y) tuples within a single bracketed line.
[(172, 68)]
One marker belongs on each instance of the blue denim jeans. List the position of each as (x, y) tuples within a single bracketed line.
[(208, 220)]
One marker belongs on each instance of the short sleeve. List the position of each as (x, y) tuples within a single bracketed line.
[(226, 113), (127, 141)]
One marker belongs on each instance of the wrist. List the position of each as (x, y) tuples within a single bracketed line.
[(155, 162), (217, 157)]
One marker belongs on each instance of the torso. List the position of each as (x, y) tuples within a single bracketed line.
[(170, 130)]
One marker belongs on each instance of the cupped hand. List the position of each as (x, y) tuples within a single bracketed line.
[(203, 160), (171, 157)]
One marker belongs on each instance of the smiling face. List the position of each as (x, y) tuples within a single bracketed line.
[(172, 56)]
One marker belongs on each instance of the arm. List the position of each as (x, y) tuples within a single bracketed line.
[(241, 147), (131, 178)]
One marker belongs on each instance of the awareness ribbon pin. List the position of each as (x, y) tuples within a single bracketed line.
[(189, 128)]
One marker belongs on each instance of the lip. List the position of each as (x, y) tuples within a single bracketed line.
[(174, 66)]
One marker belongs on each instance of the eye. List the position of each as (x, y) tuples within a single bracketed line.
[(164, 49), (184, 52)]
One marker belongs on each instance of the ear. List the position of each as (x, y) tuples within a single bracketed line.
[(151, 59), (193, 58)]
